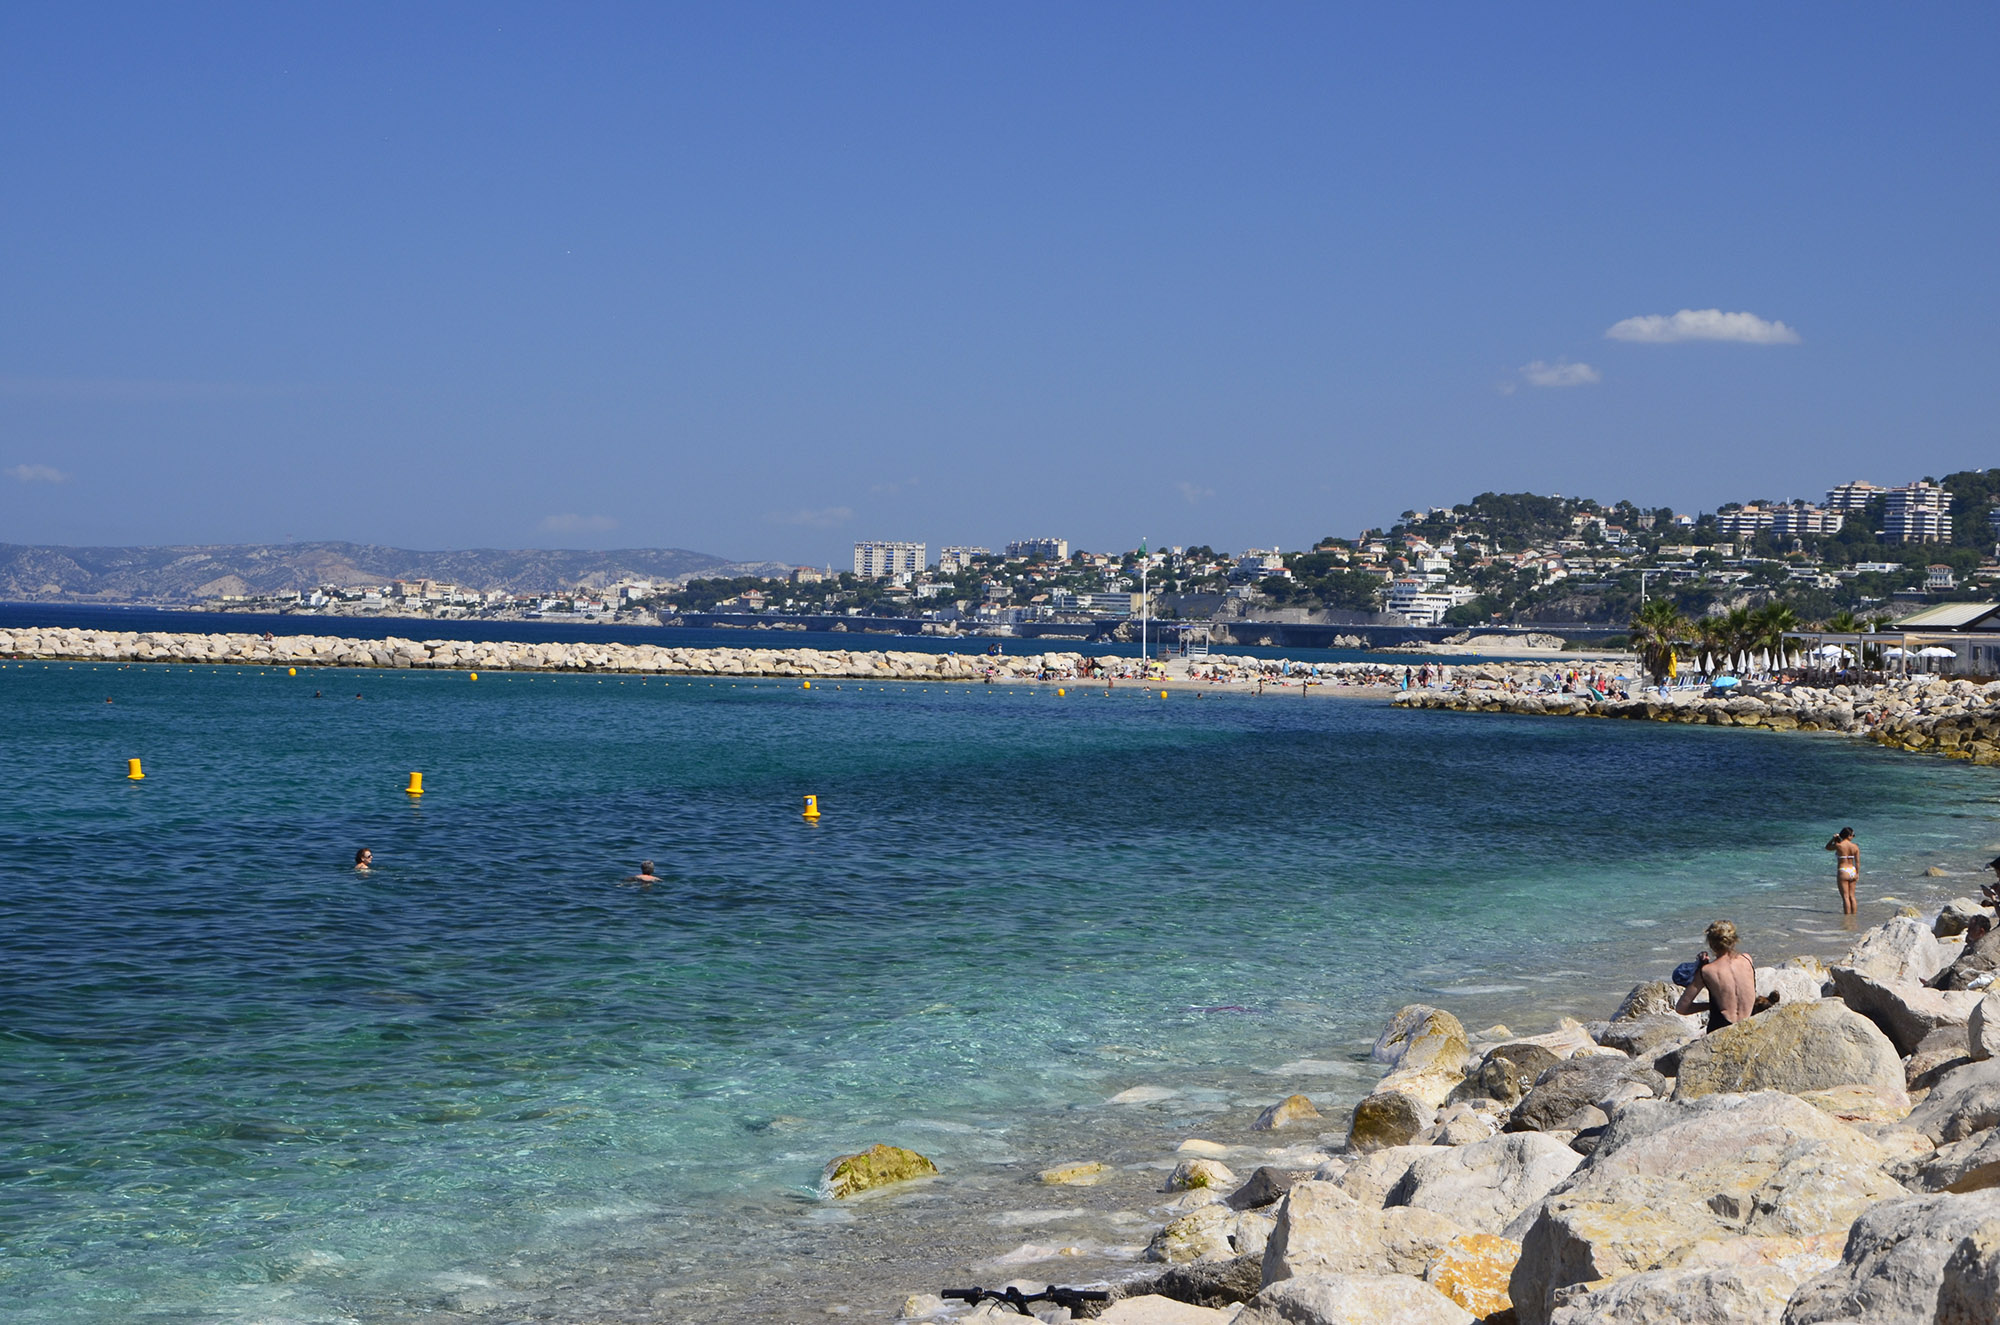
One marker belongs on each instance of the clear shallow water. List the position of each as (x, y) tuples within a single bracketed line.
[(494, 1081)]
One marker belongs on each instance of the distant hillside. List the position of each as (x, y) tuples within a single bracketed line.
[(188, 574)]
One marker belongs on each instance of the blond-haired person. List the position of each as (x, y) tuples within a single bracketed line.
[(1727, 977)]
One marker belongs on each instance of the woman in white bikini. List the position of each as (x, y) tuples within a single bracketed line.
[(1846, 867)]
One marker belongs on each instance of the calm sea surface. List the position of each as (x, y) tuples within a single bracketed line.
[(495, 1081)]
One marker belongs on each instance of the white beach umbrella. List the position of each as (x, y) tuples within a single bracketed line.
[(1937, 651)]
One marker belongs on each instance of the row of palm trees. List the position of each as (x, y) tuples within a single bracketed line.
[(1661, 635)]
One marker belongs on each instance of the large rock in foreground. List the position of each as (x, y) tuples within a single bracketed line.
[(1670, 1176), (1795, 1047), (1353, 1299), (1903, 950), (1905, 1011), (1892, 1271), (1486, 1185), (877, 1166), (1704, 1295), (1322, 1230)]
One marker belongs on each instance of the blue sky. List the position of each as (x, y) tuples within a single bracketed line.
[(763, 279)]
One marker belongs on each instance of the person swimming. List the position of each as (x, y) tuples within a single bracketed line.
[(364, 859), (645, 876), (1846, 867)]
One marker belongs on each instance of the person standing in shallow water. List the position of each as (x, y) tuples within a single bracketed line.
[(1846, 867), (1727, 976)]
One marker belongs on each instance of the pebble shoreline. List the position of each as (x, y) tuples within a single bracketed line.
[(1956, 719)]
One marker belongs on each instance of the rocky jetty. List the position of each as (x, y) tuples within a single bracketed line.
[(1833, 1158), (1957, 719), (112, 646), (500, 655)]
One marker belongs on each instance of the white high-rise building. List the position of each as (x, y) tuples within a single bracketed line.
[(1918, 513), (1048, 549), (1853, 496), (887, 561)]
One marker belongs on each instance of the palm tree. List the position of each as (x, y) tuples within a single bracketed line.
[(1844, 622), (1776, 620), (1654, 631), (1711, 642), (1739, 635)]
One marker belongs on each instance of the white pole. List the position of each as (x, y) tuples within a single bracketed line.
[(1144, 614)]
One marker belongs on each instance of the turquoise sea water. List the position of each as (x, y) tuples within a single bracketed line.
[(495, 1081)]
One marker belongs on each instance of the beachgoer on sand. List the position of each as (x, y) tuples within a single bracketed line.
[(1726, 976), (1846, 867)]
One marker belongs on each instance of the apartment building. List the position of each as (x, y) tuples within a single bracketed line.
[(886, 560)]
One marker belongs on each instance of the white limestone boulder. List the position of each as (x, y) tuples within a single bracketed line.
[(1794, 1048), (1892, 1270), (1322, 1230), (1906, 1011), (1671, 1175), (1352, 1299), (1486, 1185)]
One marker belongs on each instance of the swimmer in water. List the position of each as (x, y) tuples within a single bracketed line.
[(1846, 867), (645, 875), (363, 860)]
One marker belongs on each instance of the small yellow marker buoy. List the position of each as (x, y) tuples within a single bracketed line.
[(1163, 694), (416, 787), (133, 772), (475, 676), (812, 807), (807, 686), (1060, 692), (291, 671)]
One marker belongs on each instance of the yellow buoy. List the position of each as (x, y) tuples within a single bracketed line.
[(132, 770), (1163, 694), (1060, 692), (416, 787), (807, 686), (291, 671), (812, 807)]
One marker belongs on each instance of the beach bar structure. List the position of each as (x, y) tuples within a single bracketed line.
[(1959, 638)]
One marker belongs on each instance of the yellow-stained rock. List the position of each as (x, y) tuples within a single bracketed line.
[(877, 1166), (1289, 1110), (1472, 1271), (1083, 1173)]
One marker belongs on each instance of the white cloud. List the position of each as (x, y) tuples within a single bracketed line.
[(37, 474), (571, 523), (1702, 324), (1193, 492), (824, 517), (1560, 373)]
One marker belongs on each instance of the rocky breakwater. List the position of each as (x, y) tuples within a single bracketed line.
[(1958, 719), (497, 655), (1835, 1157)]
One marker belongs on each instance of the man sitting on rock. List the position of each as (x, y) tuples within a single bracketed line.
[(1727, 976)]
